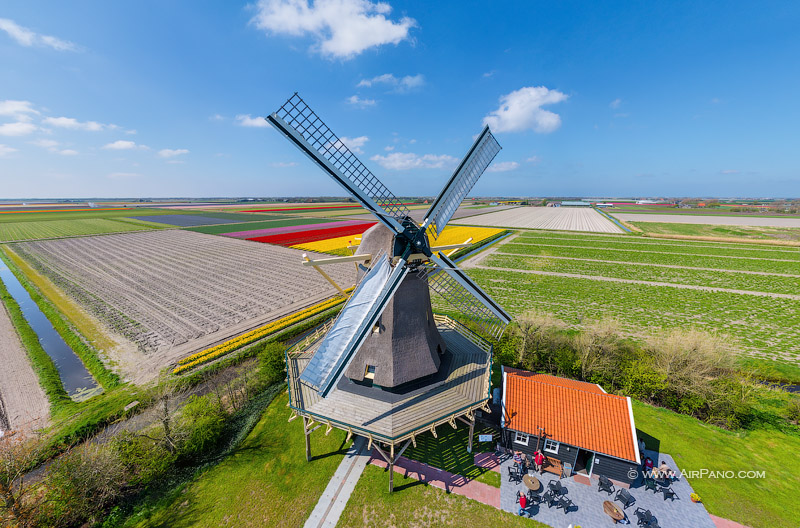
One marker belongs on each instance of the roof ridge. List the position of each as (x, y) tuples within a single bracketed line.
[(531, 379)]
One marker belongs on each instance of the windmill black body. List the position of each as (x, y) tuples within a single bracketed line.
[(387, 368)]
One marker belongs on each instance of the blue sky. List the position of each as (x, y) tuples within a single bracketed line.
[(116, 99)]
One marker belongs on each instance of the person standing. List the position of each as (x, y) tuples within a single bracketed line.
[(538, 461), (523, 503)]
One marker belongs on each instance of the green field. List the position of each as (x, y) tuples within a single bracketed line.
[(251, 226), (791, 234), (77, 215), (519, 273), (14, 231)]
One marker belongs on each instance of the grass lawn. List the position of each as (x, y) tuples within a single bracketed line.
[(449, 452), (756, 502), (414, 504), (791, 234), (265, 482)]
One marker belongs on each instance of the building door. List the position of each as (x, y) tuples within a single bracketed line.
[(584, 463)]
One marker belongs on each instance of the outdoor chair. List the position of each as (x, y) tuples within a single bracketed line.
[(650, 484), (556, 487), (565, 503), (514, 474), (653, 523), (550, 499), (534, 497), (644, 516), (669, 493), (625, 497), (605, 485)]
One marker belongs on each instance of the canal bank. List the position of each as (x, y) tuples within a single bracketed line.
[(73, 377)]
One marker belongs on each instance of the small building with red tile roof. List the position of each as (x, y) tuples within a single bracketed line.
[(578, 426)]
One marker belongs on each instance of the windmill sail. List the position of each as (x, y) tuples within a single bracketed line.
[(313, 137), (462, 181), (353, 325), (463, 294)]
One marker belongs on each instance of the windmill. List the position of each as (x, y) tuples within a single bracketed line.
[(387, 367)]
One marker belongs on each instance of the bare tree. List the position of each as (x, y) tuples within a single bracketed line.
[(17, 454), (538, 333), (597, 348)]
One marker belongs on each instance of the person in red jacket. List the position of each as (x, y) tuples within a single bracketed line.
[(523, 503), (538, 460)]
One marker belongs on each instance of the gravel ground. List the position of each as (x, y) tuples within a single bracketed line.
[(709, 220), (23, 404), (558, 218)]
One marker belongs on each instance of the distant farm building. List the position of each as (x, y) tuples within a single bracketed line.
[(574, 203)]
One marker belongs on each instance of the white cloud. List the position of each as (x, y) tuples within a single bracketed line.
[(74, 124), (359, 102), (388, 148), (522, 110), (342, 28), (121, 144), (16, 129), (355, 144), (534, 159), (5, 150), (25, 37), (489, 74), (284, 164), (171, 153), (19, 110), (615, 103), (400, 84), (408, 160), (246, 120), (45, 143), (216, 117), (68, 152), (502, 166)]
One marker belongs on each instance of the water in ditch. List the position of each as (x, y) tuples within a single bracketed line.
[(79, 384)]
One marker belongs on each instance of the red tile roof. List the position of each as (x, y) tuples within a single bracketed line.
[(573, 412)]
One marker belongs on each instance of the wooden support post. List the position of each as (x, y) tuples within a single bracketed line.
[(471, 433), (327, 277), (391, 469), (308, 439)]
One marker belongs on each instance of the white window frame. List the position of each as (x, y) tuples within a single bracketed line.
[(519, 436), (551, 443)]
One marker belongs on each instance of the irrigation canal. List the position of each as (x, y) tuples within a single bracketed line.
[(77, 381)]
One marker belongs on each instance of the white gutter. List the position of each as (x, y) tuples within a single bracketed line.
[(633, 431), (503, 400)]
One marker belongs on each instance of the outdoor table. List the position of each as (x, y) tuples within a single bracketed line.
[(613, 511), (532, 483)]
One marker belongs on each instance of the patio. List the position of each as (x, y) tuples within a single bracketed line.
[(588, 501)]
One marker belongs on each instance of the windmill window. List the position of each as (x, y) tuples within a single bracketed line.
[(370, 373)]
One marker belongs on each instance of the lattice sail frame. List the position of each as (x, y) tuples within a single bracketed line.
[(462, 181), (458, 296), (297, 114)]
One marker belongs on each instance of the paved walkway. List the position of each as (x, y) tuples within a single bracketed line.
[(588, 502), (333, 500), (445, 480)]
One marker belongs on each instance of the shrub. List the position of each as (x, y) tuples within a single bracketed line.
[(82, 484), (272, 363), (203, 419), (144, 460)]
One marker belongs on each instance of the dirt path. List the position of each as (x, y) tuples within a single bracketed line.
[(482, 256), (23, 404), (647, 283)]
